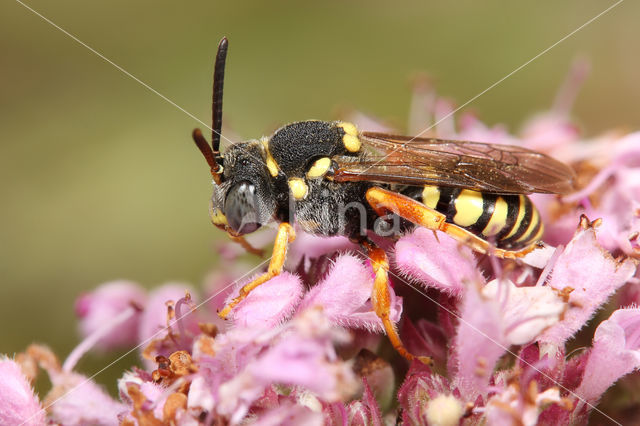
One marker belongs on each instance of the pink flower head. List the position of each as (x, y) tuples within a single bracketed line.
[(427, 398), (344, 296), (302, 356), (589, 276), (18, 402), (615, 353), (494, 318), (78, 400), (97, 308)]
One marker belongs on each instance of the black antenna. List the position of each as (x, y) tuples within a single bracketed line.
[(211, 151), (216, 103)]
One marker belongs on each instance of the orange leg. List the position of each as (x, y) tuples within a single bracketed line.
[(381, 298), (247, 245), (384, 201), (286, 235)]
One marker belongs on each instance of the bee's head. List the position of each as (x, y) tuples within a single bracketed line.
[(242, 202)]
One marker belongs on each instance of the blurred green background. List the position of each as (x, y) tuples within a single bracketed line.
[(100, 179)]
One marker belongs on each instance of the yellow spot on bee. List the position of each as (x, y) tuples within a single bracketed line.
[(498, 219), (468, 207), (430, 196), (319, 168), (349, 128), (298, 187), (216, 215), (271, 163), (521, 211), (350, 139), (535, 218), (352, 143)]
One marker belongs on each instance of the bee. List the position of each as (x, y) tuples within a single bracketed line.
[(330, 179)]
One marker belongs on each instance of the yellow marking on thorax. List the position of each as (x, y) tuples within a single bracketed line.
[(298, 188), (319, 168), (274, 170), (430, 196), (535, 218), (350, 139), (521, 211), (468, 207), (498, 219)]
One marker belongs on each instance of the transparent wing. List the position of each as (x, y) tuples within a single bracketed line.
[(480, 166)]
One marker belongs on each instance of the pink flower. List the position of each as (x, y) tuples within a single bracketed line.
[(449, 271), (344, 295), (82, 401), (615, 352), (167, 323), (18, 403), (100, 306), (516, 405), (270, 304), (305, 349), (588, 276)]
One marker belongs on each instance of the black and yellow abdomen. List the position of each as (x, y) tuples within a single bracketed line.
[(509, 221)]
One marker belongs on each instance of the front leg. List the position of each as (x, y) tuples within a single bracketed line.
[(286, 234)]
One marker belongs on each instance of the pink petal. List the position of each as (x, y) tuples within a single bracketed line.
[(615, 353), (82, 402), (200, 398), (478, 344), (101, 305), (525, 311), (18, 403), (289, 414), (306, 366), (440, 262), (269, 304), (344, 296), (593, 274)]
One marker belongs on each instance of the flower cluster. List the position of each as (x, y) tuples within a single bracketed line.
[(307, 348)]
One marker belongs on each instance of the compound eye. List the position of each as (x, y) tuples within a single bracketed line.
[(241, 208)]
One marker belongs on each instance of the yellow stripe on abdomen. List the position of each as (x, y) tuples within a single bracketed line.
[(498, 218), (521, 212), (533, 226), (430, 196), (469, 207)]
